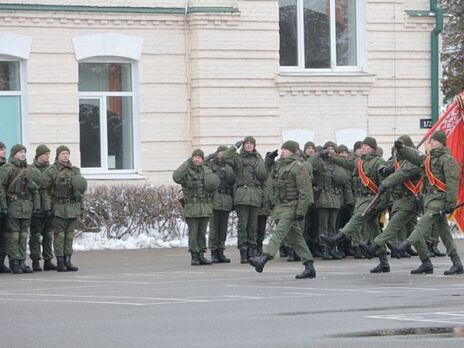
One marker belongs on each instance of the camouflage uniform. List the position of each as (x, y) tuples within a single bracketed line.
[(3, 226)]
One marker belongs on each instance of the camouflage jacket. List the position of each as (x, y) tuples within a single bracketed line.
[(222, 198)]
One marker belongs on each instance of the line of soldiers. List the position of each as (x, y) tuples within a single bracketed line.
[(43, 199), (321, 199)]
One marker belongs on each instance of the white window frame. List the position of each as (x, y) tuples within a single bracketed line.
[(104, 170), (360, 44)]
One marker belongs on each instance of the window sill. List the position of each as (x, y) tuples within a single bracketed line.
[(113, 176)]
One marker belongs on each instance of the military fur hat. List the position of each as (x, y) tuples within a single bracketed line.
[(2, 145), (291, 146), (342, 148), (16, 148), (221, 148), (357, 145), (198, 152), (440, 136), (310, 144), (250, 139), (371, 142), (40, 150), (330, 144), (62, 148), (406, 140)]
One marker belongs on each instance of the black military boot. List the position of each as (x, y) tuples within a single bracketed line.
[(259, 262), (334, 240), (61, 267), (316, 250), (309, 271), (430, 250), (3, 268), (25, 268), (291, 255), (36, 266), (411, 251), (49, 265), (383, 266), (369, 250), (222, 258), (283, 251), (426, 267), (69, 266), (194, 262), (437, 251), (334, 253), (243, 256), (397, 250), (341, 250), (457, 266), (214, 256), (348, 248), (203, 260), (325, 253), (358, 252), (15, 267)]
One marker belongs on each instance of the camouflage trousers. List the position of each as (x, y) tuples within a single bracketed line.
[(3, 235), (63, 235), (355, 226), (246, 226), (218, 230), (197, 233), (41, 239), (18, 231)]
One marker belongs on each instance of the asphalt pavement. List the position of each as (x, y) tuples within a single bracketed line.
[(154, 298)]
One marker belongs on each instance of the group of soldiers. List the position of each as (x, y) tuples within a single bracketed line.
[(326, 202), (40, 203)]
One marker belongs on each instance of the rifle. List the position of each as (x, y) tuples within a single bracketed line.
[(442, 212), (371, 204)]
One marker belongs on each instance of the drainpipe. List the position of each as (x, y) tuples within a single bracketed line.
[(435, 61)]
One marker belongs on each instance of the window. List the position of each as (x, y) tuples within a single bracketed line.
[(10, 103), (320, 35), (106, 117)]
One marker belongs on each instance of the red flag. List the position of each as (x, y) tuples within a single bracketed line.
[(451, 122)]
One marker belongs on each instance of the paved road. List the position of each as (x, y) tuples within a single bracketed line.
[(154, 298)]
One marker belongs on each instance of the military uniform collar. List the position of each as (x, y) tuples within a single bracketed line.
[(39, 164), (440, 151), (18, 163)]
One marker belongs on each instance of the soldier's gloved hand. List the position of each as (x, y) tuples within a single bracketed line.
[(387, 170), (299, 217), (210, 156), (382, 189), (36, 212), (274, 153), (4, 211), (399, 145), (238, 144)]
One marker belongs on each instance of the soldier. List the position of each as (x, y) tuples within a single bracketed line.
[(250, 175), (329, 180), (366, 181), (198, 185), (222, 204), (3, 219), (41, 229), (292, 194), (65, 188), (19, 198), (263, 214), (405, 183), (440, 195)]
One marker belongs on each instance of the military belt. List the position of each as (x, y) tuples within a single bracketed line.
[(248, 185), (64, 200), (23, 196), (198, 200), (398, 195)]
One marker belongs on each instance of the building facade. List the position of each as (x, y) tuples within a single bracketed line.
[(133, 86)]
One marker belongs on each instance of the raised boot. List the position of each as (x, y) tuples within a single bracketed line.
[(214, 256), (325, 253), (369, 250), (69, 266), (383, 266), (457, 266), (437, 251), (49, 265), (25, 268), (283, 251), (358, 253), (36, 266), (426, 267), (222, 258), (334, 240), (194, 262), (243, 256), (397, 250), (259, 262), (308, 272), (203, 260), (61, 267), (15, 267), (3, 268)]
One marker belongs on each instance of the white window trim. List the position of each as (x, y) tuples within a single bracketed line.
[(361, 67), (104, 172)]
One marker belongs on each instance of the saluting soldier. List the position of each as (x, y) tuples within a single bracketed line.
[(440, 196), (198, 185), (292, 194), (3, 219), (19, 198), (64, 197), (250, 176)]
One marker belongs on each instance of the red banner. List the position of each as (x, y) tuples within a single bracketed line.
[(451, 122)]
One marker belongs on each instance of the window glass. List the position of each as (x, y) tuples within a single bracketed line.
[(317, 34), (105, 77), (90, 144), (119, 127), (9, 76), (345, 19), (288, 32)]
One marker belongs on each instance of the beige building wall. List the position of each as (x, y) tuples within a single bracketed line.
[(211, 78)]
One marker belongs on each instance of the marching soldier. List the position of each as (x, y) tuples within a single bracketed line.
[(250, 176), (292, 193), (19, 199), (222, 205), (41, 223), (3, 219), (440, 196), (198, 185), (64, 197)]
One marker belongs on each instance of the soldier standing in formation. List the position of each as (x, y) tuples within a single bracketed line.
[(3, 219), (292, 193), (250, 173), (198, 185)]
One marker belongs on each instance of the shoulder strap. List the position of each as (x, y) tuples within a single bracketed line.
[(414, 189), (366, 181), (434, 181), (10, 186)]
